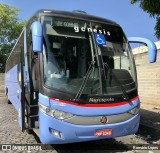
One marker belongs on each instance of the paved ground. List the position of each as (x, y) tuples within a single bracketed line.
[(149, 133), (150, 115), (150, 121), (10, 133)]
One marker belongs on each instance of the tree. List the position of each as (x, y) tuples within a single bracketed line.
[(153, 8), (10, 28)]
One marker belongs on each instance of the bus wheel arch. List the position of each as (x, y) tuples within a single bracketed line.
[(6, 93)]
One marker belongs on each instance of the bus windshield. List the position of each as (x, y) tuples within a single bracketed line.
[(74, 62)]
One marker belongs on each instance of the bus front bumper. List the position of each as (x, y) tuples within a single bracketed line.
[(54, 131)]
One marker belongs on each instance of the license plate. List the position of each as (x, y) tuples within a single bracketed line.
[(104, 132)]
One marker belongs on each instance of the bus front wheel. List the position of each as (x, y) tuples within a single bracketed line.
[(8, 101)]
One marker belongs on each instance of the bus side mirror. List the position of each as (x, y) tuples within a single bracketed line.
[(37, 38), (152, 49)]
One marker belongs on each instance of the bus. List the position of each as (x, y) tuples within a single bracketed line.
[(71, 77)]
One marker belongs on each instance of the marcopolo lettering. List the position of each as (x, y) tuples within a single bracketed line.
[(102, 100), (84, 29)]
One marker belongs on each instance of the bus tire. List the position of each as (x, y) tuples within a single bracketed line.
[(8, 101)]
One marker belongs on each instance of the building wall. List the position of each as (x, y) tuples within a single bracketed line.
[(148, 75)]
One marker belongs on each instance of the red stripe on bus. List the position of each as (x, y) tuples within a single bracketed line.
[(95, 105)]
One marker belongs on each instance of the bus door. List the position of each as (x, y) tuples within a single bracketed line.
[(22, 77)]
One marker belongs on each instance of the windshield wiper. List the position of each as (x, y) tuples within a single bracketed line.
[(86, 77), (125, 95)]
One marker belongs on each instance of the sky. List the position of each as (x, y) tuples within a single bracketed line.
[(133, 20)]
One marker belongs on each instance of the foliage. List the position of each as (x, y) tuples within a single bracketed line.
[(153, 8), (10, 28)]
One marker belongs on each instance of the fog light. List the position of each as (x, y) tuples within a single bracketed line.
[(57, 133)]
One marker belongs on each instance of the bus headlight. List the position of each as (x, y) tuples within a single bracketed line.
[(55, 113), (135, 110), (61, 115)]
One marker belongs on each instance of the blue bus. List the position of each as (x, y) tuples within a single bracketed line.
[(72, 78)]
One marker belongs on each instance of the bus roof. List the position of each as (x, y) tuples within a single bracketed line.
[(74, 14)]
